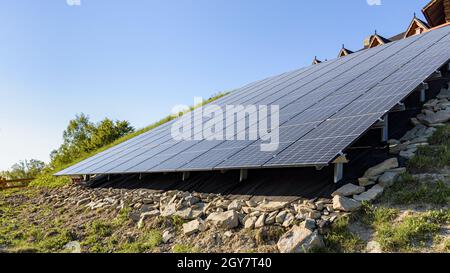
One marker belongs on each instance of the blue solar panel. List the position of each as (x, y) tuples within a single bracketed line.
[(323, 109)]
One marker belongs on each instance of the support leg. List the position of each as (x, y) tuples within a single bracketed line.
[(338, 172), (243, 175)]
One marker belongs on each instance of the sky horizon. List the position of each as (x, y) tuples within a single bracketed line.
[(135, 60)]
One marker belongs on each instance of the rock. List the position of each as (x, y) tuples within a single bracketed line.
[(370, 195), (250, 222), (444, 94), (235, 205), (251, 203), (388, 179), (189, 214), (169, 210), (314, 214), (408, 154), (382, 167), (228, 234), (193, 227), (348, 190), (299, 240), (83, 202), (228, 219), (73, 247), (345, 204), (149, 214), (280, 217), (373, 247), (270, 219), (289, 220), (167, 236), (364, 182), (310, 224), (396, 149), (261, 221), (434, 117), (272, 206)]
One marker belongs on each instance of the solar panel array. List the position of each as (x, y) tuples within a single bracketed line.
[(324, 108)]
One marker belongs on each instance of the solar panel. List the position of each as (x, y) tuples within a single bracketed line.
[(324, 108)]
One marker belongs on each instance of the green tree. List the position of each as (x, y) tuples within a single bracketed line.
[(24, 169), (83, 136)]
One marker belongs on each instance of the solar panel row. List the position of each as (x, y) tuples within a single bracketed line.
[(323, 109)]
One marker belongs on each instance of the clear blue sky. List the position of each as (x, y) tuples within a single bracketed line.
[(135, 59)]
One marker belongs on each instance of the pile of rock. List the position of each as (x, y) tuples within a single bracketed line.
[(435, 113)]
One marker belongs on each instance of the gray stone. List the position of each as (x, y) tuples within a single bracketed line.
[(193, 226), (270, 219), (348, 190), (388, 179), (261, 221), (407, 154), (373, 247), (250, 222), (433, 118), (345, 204), (299, 240), (314, 214), (73, 247), (228, 219), (167, 236), (370, 195), (235, 205), (272, 206), (365, 181), (310, 224), (382, 167), (83, 202), (189, 214), (288, 220), (169, 210), (280, 217)]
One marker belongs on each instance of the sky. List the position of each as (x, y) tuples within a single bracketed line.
[(136, 59)]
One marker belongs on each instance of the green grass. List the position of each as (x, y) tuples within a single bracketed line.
[(183, 248), (409, 191), (403, 236), (49, 181), (146, 242), (429, 159), (341, 240), (434, 157), (411, 232), (441, 137)]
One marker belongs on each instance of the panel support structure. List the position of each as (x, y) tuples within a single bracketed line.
[(338, 172), (423, 90), (186, 176), (385, 129), (243, 175)]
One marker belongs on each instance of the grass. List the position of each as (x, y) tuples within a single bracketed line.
[(183, 248), (409, 191), (435, 156), (429, 159), (403, 236), (412, 231), (50, 181), (148, 241), (441, 137), (341, 240)]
